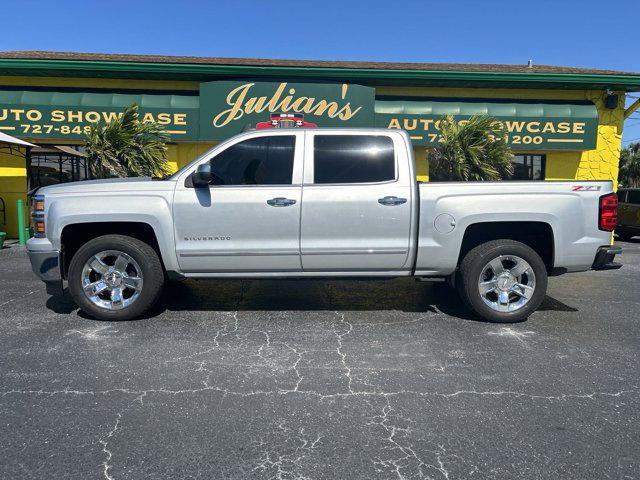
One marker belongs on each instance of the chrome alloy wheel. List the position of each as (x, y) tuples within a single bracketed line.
[(507, 283), (112, 280)]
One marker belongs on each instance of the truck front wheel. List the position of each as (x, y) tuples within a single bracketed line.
[(502, 280), (115, 277)]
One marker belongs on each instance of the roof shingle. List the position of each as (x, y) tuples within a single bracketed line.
[(259, 62)]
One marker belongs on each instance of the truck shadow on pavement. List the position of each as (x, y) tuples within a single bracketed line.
[(304, 295)]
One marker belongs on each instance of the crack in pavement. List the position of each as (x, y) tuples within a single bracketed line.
[(370, 405), (560, 397), (286, 464), (392, 430), (409, 460), (104, 441), (343, 356), (216, 344), (91, 333), (21, 297)]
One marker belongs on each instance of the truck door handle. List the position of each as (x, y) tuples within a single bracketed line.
[(281, 202), (391, 201)]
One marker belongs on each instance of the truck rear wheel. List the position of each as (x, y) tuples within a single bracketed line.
[(115, 277), (502, 280)]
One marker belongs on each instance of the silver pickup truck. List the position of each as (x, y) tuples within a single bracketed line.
[(294, 203)]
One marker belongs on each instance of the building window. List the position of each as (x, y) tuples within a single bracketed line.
[(57, 164), (528, 167)]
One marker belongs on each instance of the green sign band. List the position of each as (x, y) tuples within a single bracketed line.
[(68, 115), (526, 126), (224, 108)]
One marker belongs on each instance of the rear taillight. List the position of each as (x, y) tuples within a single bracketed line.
[(608, 215)]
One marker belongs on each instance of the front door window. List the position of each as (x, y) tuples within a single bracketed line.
[(258, 161)]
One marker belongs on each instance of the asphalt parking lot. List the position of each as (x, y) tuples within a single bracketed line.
[(324, 380)]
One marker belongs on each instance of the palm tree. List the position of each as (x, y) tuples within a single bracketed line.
[(127, 147), (629, 174), (472, 151)]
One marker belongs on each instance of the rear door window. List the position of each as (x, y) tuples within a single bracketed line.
[(353, 159)]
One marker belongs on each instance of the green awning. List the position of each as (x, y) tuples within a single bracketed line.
[(83, 99), (527, 126), (37, 114), (494, 109)]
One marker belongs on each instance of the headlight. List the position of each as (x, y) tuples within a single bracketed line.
[(37, 214)]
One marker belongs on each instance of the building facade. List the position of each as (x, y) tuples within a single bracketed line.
[(562, 123)]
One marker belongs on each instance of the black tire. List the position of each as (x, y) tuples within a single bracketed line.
[(471, 269), (141, 252)]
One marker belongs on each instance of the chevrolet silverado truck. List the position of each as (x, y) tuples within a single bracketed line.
[(317, 203)]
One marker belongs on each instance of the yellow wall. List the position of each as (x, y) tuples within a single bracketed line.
[(13, 186), (598, 164), (422, 164), (179, 154)]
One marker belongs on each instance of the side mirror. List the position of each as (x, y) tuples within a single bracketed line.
[(202, 176)]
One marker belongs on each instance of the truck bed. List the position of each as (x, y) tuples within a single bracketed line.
[(569, 208)]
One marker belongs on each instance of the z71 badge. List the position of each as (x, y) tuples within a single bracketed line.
[(585, 188)]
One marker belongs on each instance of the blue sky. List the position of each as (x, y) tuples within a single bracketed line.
[(587, 33)]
